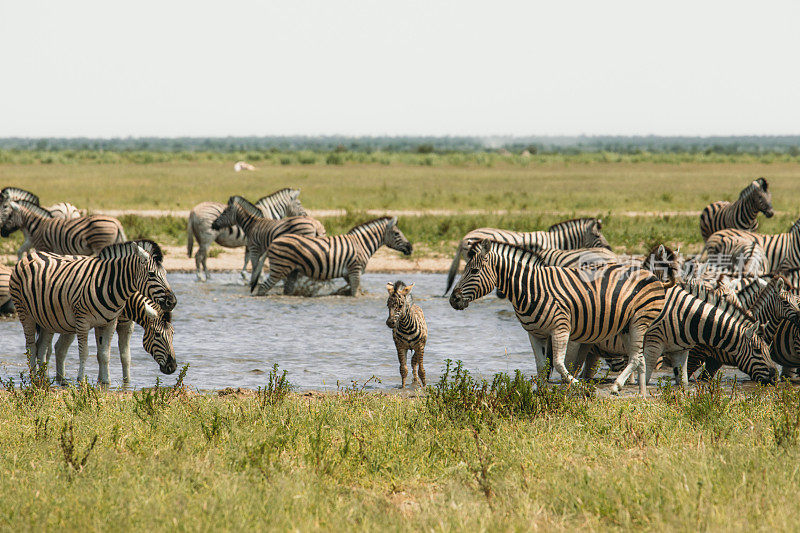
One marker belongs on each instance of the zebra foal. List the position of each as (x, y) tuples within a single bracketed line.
[(741, 214), (69, 295), (567, 235), (409, 330), (566, 305), (324, 258)]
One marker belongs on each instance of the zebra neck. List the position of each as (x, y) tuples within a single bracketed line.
[(745, 208), (509, 270), (369, 238), (244, 219), (30, 222), (119, 277)]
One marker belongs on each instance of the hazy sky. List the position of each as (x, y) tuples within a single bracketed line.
[(174, 67)]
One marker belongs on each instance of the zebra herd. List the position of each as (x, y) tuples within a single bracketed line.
[(736, 303)]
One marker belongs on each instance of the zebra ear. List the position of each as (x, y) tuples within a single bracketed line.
[(486, 246), (150, 311), (599, 223), (13, 205), (392, 222), (390, 287), (142, 253), (405, 290)]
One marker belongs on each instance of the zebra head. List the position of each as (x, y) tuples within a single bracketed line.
[(398, 302), (157, 341), (295, 209), (479, 276), (10, 219), (227, 218), (394, 238), (762, 197), (786, 301), (757, 362), (593, 236)]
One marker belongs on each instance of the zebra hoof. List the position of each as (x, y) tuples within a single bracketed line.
[(614, 389)]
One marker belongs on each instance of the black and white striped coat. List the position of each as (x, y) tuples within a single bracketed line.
[(61, 294), (203, 215), (5, 278), (567, 235), (409, 330), (80, 236), (324, 258), (741, 214), (584, 306), (774, 252), (261, 231)]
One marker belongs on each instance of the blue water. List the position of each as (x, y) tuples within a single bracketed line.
[(231, 339)]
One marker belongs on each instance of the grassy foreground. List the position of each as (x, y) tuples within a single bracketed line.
[(458, 458)]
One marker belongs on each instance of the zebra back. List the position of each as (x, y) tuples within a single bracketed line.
[(274, 205)]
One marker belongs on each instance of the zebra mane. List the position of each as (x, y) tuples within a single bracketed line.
[(576, 222), (512, 249), (35, 209), (762, 182), (718, 298), (124, 249), (370, 224), (246, 205), (763, 291), (279, 195), (17, 194)]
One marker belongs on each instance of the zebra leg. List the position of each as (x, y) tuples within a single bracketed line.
[(590, 364), (651, 351), (124, 331), (635, 362), (576, 356), (103, 336), (27, 245), (402, 354), (291, 279), (62, 346), (560, 341), (709, 370), (29, 327), (83, 352), (258, 265), (414, 365), (538, 346), (680, 360), (419, 353), (42, 345)]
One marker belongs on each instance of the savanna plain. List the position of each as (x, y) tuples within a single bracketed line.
[(508, 454)]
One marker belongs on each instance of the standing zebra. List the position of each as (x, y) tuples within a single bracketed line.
[(567, 235), (773, 252), (201, 217), (409, 330), (62, 294), (323, 258), (567, 305), (261, 231), (80, 236), (63, 211), (741, 214)]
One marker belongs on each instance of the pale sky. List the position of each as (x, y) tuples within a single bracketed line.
[(172, 68)]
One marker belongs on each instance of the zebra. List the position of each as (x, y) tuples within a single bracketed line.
[(63, 294), (157, 339), (63, 210), (261, 231), (5, 277), (776, 307), (79, 236), (201, 217), (567, 235), (15, 194), (568, 305), (409, 330), (741, 214), (324, 258), (774, 252)]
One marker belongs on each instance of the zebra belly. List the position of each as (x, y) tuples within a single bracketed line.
[(232, 237)]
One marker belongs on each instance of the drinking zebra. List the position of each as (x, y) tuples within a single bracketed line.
[(409, 330), (776, 308), (81, 236), (567, 235), (774, 252), (201, 217), (62, 294), (324, 258), (567, 305), (261, 231), (741, 214)]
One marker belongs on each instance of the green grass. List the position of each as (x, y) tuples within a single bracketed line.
[(165, 459), (553, 184)]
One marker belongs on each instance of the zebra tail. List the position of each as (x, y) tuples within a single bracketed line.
[(189, 237), (451, 275)]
